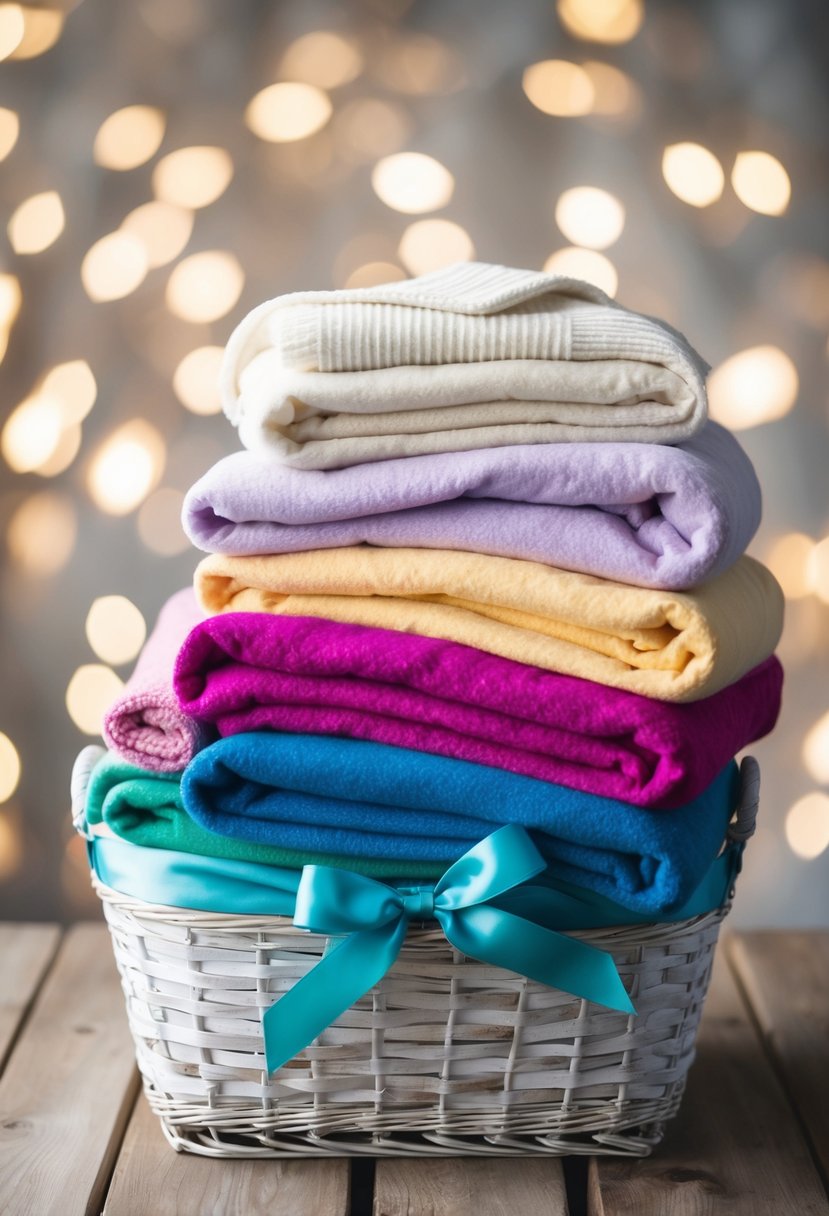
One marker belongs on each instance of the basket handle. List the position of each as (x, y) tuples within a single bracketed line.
[(742, 828)]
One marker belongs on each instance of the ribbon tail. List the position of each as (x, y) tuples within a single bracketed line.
[(339, 979), (494, 936)]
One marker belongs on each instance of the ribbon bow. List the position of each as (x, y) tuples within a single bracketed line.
[(372, 918)]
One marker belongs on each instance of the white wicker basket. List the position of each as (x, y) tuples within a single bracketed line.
[(446, 1055)]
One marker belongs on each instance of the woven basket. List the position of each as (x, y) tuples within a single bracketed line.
[(446, 1055)]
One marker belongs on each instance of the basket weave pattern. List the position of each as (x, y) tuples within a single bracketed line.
[(445, 1055)]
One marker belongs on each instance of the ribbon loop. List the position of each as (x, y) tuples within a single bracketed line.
[(372, 918)]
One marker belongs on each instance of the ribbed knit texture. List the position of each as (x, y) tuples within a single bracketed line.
[(499, 336)]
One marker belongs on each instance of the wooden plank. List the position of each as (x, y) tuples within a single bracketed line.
[(69, 1085), (786, 979), (482, 1186), (735, 1146), (151, 1179), (25, 953)]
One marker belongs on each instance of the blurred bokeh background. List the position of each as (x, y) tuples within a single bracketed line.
[(167, 165)]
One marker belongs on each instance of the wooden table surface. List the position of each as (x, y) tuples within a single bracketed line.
[(752, 1138)]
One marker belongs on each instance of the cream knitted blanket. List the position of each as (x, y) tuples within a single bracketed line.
[(467, 357), (669, 645)]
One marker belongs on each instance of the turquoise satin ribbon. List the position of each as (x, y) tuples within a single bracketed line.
[(485, 905)]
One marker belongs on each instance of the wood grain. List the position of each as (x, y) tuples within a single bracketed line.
[(25, 953), (786, 979), (152, 1180), (735, 1146), (479, 1186), (68, 1086)]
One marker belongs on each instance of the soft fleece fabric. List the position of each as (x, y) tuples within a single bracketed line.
[(146, 809), (367, 800), (245, 672), (674, 646), (469, 356), (645, 514), (145, 725)]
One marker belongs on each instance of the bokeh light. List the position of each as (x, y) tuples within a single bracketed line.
[(41, 533), (11, 845), (159, 523), (323, 58), (9, 131), (205, 286), (754, 386), (590, 217), (816, 751), (31, 434), (41, 29), (196, 380), (615, 94), (429, 244), (37, 223), (419, 64), (807, 825), (788, 560), (817, 570), (9, 767), (558, 87), (72, 385), (11, 297), (126, 467), (761, 182), (90, 693), (162, 228), (371, 274), (129, 137), (115, 629), (587, 264), (192, 177), (288, 111), (693, 173), (412, 182), (368, 127), (12, 29), (114, 266), (610, 21)]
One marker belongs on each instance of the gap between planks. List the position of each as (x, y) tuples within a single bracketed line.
[(69, 1085), (477, 1186), (734, 1149), (150, 1179), (785, 978)]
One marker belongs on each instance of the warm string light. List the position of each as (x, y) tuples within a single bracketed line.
[(205, 286), (322, 58), (761, 182), (9, 131), (126, 467), (9, 767), (159, 523), (36, 223), (559, 88), (89, 694), (590, 217), (754, 386), (815, 751), (114, 266), (288, 111), (610, 21), (196, 380), (429, 244), (42, 27), (164, 230), (693, 173), (807, 825), (129, 137), (192, 177), (41, 533), (587, 264), (412, 182), (115, 629)]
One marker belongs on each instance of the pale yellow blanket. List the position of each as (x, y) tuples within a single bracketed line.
[(669, 645)]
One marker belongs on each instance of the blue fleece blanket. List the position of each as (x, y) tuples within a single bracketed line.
[(321, 794)]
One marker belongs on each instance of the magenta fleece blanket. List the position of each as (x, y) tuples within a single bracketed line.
[(243, 672), (145, 724), (647, 514)]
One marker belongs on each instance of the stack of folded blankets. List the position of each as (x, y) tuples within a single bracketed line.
[(481, 562)]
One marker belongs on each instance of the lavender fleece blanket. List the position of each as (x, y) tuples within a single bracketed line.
[(245, 672), (145, 724), (647, 514)]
